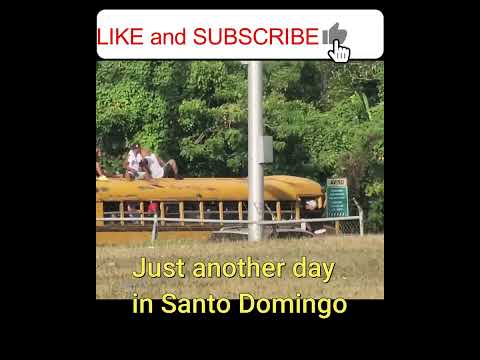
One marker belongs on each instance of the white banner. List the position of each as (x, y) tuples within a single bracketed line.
[(238, 34)]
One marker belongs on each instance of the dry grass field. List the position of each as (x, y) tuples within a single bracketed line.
[(358, 271)]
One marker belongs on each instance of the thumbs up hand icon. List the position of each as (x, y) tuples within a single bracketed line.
[(335, 33), (339, 54), (336, 36)]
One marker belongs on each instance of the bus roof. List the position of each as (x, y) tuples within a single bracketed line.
[(277, 188)]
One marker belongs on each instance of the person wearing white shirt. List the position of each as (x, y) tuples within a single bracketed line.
[(156, 170), (134, 164), (159, 169)]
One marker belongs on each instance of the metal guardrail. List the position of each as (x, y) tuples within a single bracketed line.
[(157, 219)]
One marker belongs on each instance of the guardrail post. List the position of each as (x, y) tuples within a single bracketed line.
[(154, 228)]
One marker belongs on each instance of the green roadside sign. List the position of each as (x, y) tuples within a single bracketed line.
[(337, 198)]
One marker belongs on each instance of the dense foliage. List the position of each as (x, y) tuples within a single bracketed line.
[(326, 119)]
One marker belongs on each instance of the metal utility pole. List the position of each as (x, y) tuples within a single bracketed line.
[(255, 149)]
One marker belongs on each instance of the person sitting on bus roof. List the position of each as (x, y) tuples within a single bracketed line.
[(159, 169), (145, 169), (133, 165), (100, 174)]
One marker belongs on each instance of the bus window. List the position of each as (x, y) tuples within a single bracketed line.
[(230, 210), (212, 210), (112, 210), (151, 208), (172, 210), (288, 210), (133, 211), (310, 208), (192, 210)]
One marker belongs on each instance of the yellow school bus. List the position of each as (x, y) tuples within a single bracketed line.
[(193, 198)]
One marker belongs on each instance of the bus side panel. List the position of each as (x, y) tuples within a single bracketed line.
[(140, 238)]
